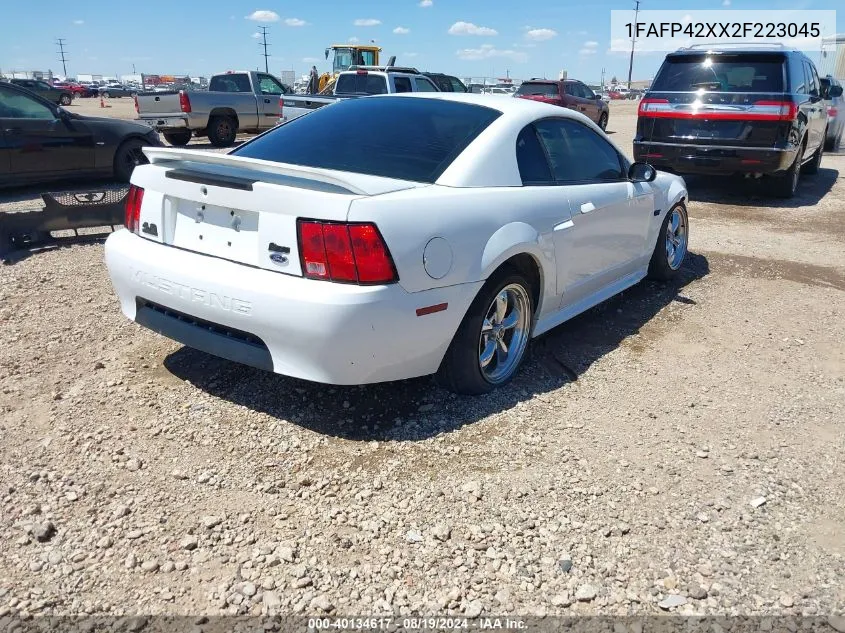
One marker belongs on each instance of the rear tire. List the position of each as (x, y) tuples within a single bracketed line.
[(178, 139), (222, 131), (786, 185), (815, 162), (672, 245), (127, 157), (106, 95), (603, 121), (65, 100), (463, 369)]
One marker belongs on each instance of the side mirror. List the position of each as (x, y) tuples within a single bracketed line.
[(641, 172), (834, 91), (597, 97)]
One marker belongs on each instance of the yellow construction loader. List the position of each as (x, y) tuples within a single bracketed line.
[(346, 55)]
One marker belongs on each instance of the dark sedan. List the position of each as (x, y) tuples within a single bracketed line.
[(59, 96), (41, 142), (117, 91)]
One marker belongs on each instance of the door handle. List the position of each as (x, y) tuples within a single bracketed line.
[(587, 207), (266, 101), (13, 130)]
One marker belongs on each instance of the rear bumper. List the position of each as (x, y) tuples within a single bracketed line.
[(165, 122), (711, 159), (314, 330)]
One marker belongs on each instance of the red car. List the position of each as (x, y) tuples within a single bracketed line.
[(567, 93), (72, 86)]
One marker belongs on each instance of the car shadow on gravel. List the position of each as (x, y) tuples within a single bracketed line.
[(414, 410), (757, 192)]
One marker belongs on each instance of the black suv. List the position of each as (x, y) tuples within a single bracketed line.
[(446, 83), (727, 110)]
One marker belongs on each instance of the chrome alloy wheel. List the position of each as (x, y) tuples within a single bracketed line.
[(504, 333), (676, 237)]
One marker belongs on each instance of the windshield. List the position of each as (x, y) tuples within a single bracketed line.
[(544, 90), (342, 59), (734, 73), (392, 137)]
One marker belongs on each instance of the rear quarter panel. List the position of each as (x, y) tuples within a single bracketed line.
[(483, 227)]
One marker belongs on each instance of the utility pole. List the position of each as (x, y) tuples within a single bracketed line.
[(265, 45), (633, 41), (61, 42), (602, 78)]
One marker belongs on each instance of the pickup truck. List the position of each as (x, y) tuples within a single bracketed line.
[(236, 101), (358, 81)]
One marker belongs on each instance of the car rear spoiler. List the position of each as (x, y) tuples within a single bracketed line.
[(62, 212), (363, 185)]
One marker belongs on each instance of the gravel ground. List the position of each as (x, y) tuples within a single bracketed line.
[(676, 449)]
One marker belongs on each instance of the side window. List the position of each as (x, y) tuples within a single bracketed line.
[(424, 85), (797, 78), (569, 89), (402, 84), (813, 81), (533, 166), (585, 91), (457, 86), (14, 105), (269, 86), (577, 154)]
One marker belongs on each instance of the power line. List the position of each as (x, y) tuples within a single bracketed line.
[(265, 45), (61, 42), (633, 41)]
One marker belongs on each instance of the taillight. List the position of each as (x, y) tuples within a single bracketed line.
[(184, 102), (136, 105), (648, 106), (281, 106), (132, 216), (348, 253), (758, 111), (775, 110), (832, 112)]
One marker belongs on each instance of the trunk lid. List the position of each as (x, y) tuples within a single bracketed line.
[(242, 209), (158, 103)]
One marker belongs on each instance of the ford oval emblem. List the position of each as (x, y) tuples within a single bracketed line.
[(278, 258)]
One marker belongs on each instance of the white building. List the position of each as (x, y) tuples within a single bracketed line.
[(832, 59)]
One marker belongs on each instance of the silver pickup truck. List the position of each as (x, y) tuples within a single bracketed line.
[(241, 101), (358, 81)]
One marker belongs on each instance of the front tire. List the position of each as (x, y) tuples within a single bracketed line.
[(222, 131), (491, 341), (671, 248), (65, 100), (128, 156)]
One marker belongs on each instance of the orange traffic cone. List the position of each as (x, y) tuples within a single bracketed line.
[(102, 103)]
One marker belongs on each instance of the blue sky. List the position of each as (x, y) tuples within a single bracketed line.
[(462, 37)]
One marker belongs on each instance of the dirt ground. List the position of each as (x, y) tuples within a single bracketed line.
[(679, 448)]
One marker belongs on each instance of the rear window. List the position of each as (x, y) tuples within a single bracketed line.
[(393, 137), (720, 73), (545, 90), (236, 82), (361, 84)]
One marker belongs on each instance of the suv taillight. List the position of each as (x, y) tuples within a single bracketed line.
[(774, 110), (132, 217), (136, 105), (184, 102), (281, 106), (344, 252), (650, 106)]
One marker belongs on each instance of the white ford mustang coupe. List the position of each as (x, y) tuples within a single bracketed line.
[(391, 237)]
